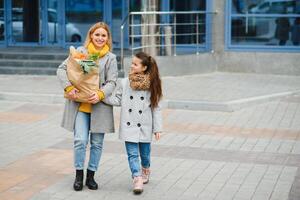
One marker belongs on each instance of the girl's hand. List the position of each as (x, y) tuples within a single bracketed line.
[(157, 136), (72, 95), (94, 98)]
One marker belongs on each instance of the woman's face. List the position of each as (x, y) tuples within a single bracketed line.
[(137, 66), (99, 38)]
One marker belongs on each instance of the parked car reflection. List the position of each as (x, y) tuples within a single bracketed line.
[(72, 32)]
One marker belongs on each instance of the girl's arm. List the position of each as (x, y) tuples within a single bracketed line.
[(157, 119), (115, 98)]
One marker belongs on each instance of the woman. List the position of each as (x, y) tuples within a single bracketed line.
[(93, 118)]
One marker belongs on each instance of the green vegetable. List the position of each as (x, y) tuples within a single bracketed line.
[(87, 65), (94, 56)]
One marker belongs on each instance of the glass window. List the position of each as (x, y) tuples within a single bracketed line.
[(180, 33), (25, 21), (135, 5), (188, 5), (259, 24), (2, 30), (52, 22), (116, 21), (80, 16), (187, 27)]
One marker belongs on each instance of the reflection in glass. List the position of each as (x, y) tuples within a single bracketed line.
[(270, 31), (52, 22), (2, 30), (80, 16), (295, 32), (185, 30), (188, 5), (265, 6), (116, 21), (135, 5), (25, 21)]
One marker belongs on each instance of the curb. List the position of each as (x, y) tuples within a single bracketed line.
[(229, 106)]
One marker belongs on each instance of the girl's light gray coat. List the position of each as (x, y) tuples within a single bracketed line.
[(102, 120), (138, 121)]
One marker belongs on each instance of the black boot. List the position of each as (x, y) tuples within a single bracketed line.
[(78, 183), (90, 182)]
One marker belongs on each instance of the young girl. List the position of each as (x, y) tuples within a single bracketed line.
[(94, 118), (139, 96)]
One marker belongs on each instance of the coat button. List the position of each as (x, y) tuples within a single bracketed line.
[(142, 98), (131, 97), (139, 125), (140, 111), (128, 123), (130, 110)]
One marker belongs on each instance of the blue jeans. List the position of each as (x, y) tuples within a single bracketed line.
[(134, 150), (81, 137)]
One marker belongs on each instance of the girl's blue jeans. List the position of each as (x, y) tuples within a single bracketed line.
[(134, 151), (81, 138)]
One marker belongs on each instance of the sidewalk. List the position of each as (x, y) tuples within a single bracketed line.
[(251, 153), (215, 91)]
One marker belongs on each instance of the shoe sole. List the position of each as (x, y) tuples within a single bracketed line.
[(91, 188), (78, 189), (137, 191)]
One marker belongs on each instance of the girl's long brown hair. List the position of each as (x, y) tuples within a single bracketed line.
[(155, 82), (92, 30)]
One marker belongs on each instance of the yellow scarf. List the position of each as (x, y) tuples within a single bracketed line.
[(92, 50), (86, 107)]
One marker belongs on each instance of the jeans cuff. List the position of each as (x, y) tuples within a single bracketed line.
[(136, 174), (146, 167), (92, 169)]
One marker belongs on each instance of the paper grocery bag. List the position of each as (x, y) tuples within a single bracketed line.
[(86, 83)]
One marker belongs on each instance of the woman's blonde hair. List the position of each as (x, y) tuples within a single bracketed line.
[(92, 30)]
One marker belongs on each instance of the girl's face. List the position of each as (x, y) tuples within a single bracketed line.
[(99, 38), (136, 66)]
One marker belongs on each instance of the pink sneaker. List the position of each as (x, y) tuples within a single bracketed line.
[(145, 175), (137, 185)]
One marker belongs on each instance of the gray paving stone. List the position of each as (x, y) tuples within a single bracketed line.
[(200, 141), (286, 146), (184, 166), (187, 141)]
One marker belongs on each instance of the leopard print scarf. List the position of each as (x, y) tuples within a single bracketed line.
[(139, 81)]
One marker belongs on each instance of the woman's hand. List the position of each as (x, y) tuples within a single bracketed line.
[(94, 98), (157, 136), (72, 95)]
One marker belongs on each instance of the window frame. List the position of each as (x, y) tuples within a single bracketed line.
[(257, 48)]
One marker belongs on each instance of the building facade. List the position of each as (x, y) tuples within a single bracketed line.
[(231, 35)]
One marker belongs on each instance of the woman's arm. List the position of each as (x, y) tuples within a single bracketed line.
[(61, 74), (111, 77)]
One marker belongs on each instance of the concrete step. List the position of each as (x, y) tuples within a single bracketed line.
[(27, 60), (33, 56), (34, 71), (30, 63), (27, 70), (36, 56)]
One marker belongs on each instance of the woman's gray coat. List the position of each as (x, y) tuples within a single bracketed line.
[(138, 121), (102, 120)]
